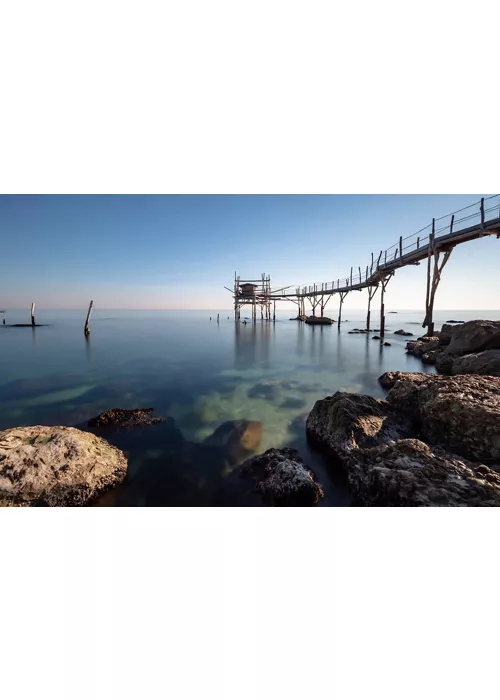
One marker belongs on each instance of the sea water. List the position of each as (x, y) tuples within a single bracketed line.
[(199, 372)]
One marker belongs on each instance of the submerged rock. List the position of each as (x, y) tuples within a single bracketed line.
[(125, 418), (275, 478), (265, 390), (402, 332), (238, 438), (411, 473), (56, 466)]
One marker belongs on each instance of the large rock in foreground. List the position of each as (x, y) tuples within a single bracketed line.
[(411, 473), (381, 443), (56, 466), (344, 422), (460, 413), (275, 478)]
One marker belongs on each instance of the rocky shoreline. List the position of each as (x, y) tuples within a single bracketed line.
[(434, 441)]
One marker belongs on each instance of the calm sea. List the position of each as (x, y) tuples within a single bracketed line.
[(200, 373)]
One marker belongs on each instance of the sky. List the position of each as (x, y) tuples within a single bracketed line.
[(180, 251)]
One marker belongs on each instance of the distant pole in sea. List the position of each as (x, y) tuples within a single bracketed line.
[(33, 314), (87, 326), (217, 318)]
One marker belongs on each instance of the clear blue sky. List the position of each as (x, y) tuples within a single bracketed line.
[(172, 251)]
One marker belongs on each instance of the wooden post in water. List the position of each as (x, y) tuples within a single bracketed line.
[(274, 311), (371, 293), (33, 314), (342, 297), (87, 326), (383, 284)]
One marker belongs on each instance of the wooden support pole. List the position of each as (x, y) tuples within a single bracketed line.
[(382, 312), (87, 322), (342, 297), (33, 314), (368, 314), (428, 287), (274, 311)]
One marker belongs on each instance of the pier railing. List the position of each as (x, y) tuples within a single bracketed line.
[(474, 217)]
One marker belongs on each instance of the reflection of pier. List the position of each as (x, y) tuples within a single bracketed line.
[(251, 345), (437, 239)]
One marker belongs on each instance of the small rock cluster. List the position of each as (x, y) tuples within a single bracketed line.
[(469, 348)]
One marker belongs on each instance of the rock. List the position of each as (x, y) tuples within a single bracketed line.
[(292, 402), (410, 473), (265, 390), (474, 336), (125, 418), (344, 422), (422, 346), (56, 466), (276, 478), (460, 413), (387, 345), (429, 358), (376, 337), (455, 321), (319, 321), (388, 379), (402, 332), (443, 362), (486, 362), (238, 438), (445, 334), (392, 312)]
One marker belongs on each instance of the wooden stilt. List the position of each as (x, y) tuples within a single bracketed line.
[(87, 322), (342, 297), (33, 314), (433, 284), (383, 284), (371, 293)]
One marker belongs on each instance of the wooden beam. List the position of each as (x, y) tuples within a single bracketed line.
[(33, 314)]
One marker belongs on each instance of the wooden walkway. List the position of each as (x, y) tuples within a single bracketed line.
[(438, 238)]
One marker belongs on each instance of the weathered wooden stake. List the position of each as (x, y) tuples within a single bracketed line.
[(274, 311), (87, 327), (33, 314)]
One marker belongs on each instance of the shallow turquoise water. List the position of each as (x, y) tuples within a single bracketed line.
[(197, 371)]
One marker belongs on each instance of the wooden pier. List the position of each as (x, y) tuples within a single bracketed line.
[(437, 239)]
